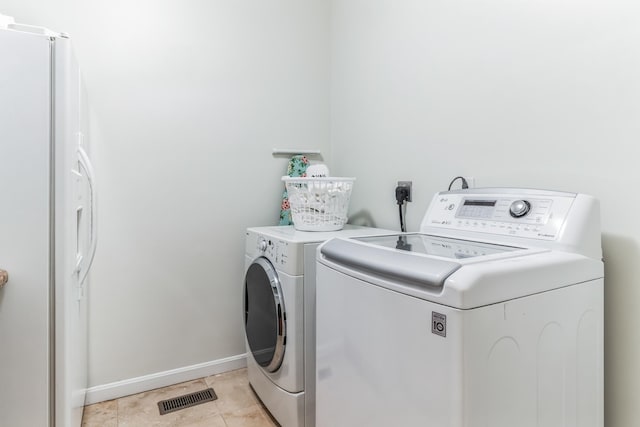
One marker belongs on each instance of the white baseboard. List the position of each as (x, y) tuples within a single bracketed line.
[(162, 379)]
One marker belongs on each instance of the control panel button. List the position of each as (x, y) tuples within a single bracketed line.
[(519, 208)]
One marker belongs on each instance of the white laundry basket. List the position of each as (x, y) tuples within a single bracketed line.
[(319, 204)]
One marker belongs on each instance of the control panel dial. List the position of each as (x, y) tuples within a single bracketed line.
[(519, 208), (262, 245)]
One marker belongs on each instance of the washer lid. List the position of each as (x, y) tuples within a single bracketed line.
[(417, 260), (458, 273), (442, 247)]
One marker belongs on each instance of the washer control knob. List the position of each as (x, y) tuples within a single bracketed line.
[(262, 244), (519, 208)]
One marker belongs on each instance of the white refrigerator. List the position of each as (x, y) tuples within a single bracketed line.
[(47, 229)]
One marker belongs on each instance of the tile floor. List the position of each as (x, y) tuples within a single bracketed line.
[(236, 406)]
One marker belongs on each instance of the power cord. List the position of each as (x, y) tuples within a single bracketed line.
[(465, 184), (402, 196)]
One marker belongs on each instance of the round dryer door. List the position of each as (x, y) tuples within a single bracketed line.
[(264, 317)]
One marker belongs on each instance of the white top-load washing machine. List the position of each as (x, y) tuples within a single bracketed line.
[(279, 317), (491, 316)]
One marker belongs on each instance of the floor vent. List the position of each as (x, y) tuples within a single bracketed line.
[(186, 401)]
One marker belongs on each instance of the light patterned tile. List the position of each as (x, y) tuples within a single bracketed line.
[(237, 406), (233, 391), (252, 416), (269, 420), (103, 414), (215, 421), (142, 409)]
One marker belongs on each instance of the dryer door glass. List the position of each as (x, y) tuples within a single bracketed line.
[(264, 314)]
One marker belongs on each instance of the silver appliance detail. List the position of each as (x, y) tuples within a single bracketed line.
[(519, 208), (264, 311)]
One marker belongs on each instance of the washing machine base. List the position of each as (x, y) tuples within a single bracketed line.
[(287, 408)]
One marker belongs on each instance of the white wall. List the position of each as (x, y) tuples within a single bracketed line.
[(515, 93), (189, 98)]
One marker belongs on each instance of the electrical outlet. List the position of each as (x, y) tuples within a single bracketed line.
[(408, 185)]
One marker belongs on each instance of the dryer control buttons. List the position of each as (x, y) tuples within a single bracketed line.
[(519, 208), (262, 244)]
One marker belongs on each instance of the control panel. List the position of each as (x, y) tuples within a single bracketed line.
[(285, 256), (274, 250), (533, 216)]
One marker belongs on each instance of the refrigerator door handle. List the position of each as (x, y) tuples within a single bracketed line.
[(85, 163)]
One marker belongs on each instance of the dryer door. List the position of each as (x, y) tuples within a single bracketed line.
[(264, 315)]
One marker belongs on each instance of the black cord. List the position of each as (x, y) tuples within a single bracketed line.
[(402, 226), (402, 196), (465, 184)]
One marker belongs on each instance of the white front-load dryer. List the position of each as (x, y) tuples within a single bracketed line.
[(279, 317)]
